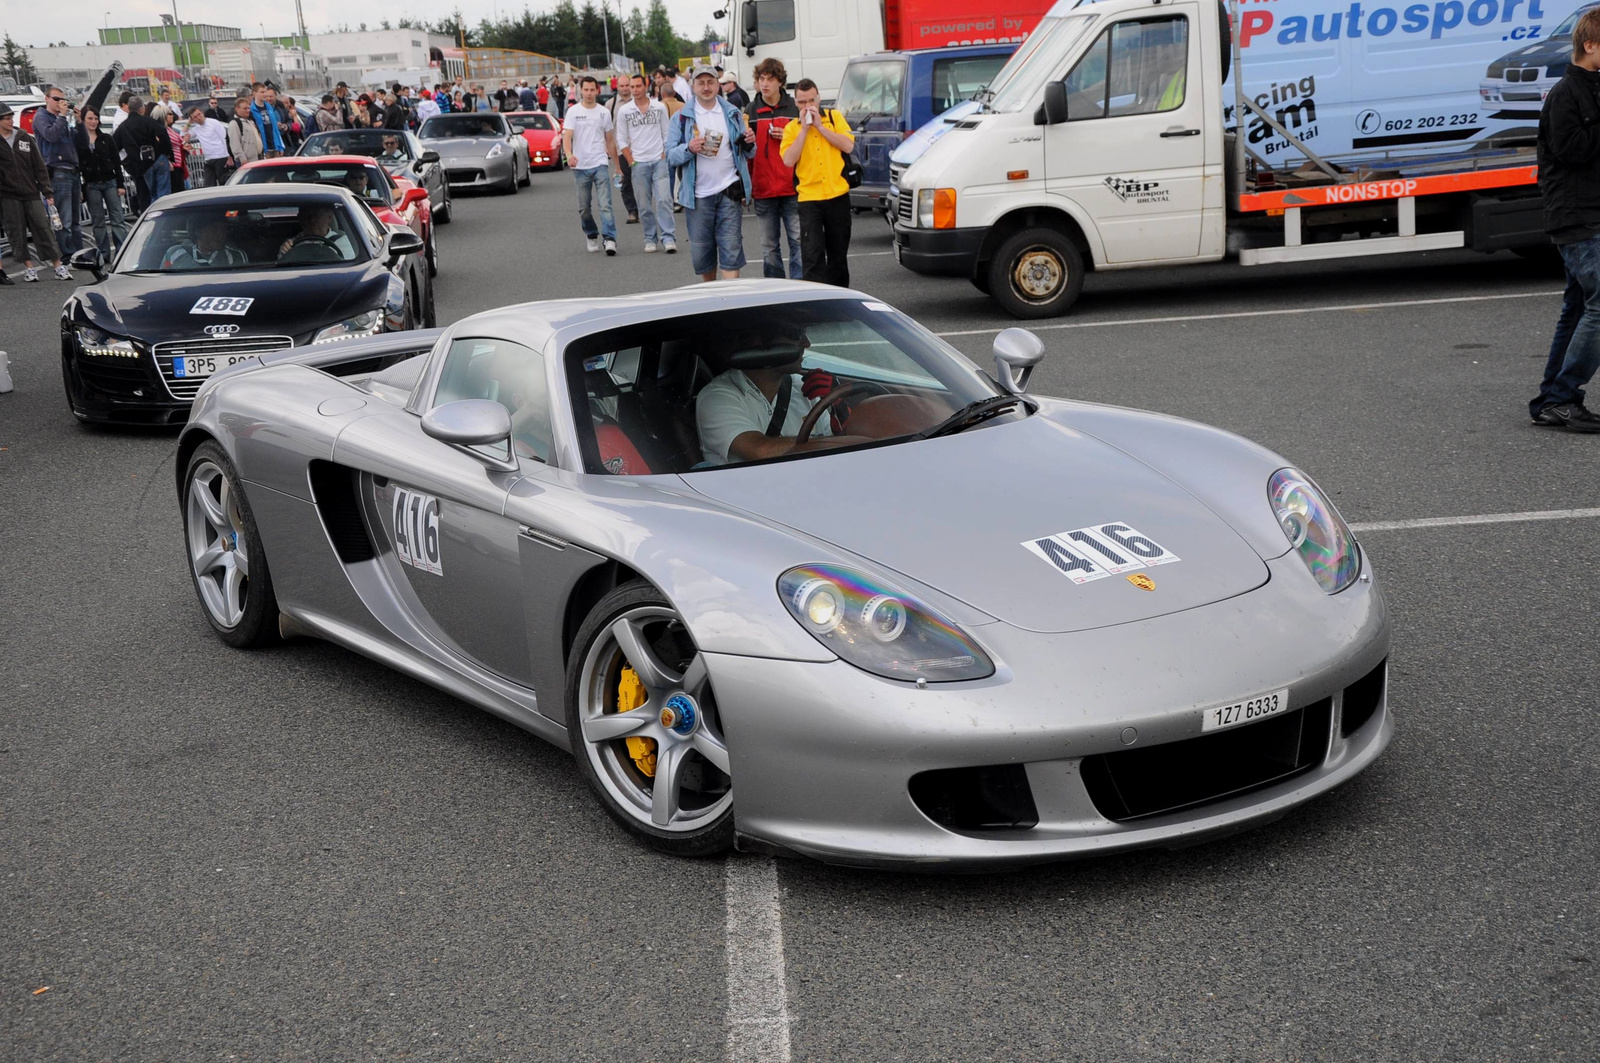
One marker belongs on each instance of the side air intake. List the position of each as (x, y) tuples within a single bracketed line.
[(334, 489)]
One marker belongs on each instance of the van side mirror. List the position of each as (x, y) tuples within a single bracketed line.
[(1053, 111), (1016, 352), (749, 37)]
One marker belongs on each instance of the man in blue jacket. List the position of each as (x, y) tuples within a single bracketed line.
[(709, 144), (54, 133), (266, 119)]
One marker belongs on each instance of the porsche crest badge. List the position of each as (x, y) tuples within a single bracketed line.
[(1143, 582)]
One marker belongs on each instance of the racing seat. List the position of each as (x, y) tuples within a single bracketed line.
[(666, 399)]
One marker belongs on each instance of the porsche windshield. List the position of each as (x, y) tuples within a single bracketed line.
[(462, 125), (206, 237), (768, 382), (367, 180)]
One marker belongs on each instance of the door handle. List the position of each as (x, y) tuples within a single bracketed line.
[(1181, 133)]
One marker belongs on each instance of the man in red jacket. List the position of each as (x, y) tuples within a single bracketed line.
[(777, 204)]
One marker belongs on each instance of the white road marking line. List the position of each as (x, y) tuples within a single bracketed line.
[(758, 994), (1481, 518), (870, 254), (1263, 313)]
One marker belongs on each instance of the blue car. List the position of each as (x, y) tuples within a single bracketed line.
[(887, 96)]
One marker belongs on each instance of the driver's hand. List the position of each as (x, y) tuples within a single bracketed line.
[(283, 248), (817, 383)]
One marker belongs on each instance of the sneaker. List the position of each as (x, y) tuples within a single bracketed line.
[(63, 273), (611, 247), (30, 275), (670, 248), (633, 219), (1573, 416), (1545, 419), (677, 208), (594, 244), (5, 279), (649, 248)]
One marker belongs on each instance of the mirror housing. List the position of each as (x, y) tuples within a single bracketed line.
[(1016, 352), (403, 242), (1053, 111), (748, 35), (89, 258), (468, 423), (412, 197), (429, 156)]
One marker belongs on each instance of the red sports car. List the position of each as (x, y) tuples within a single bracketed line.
[(542, 131), (396, 201)]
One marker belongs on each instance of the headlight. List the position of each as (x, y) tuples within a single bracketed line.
[(94, 342), (366, 324), (879, 628), (1314, 529), (497, 151), (936, 208), (924, 208)]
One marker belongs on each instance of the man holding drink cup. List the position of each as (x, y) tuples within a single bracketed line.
[(708, 144)]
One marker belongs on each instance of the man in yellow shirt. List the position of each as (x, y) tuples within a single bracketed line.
[(815, 146)]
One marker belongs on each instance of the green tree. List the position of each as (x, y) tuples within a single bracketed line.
[(17, 63)]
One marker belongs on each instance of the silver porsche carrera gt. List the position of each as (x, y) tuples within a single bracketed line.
[(784, 571)]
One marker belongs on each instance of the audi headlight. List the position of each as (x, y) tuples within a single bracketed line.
[(497, 151), (1314, 529), (351, 328), (879, 628), (102, 345)]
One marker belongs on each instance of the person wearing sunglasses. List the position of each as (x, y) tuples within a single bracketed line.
[(53, 129)]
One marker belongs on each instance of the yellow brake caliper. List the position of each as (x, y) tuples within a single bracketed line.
[(630, 695)]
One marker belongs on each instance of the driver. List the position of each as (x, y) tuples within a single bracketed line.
[(356, 181), (391, 149), (316, 223), (750, 414), (206, 248)]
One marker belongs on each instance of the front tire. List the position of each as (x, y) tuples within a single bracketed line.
[(226, 559), (1036, 273), (433, 253), (447, 211), (670, 787), (527, 175)]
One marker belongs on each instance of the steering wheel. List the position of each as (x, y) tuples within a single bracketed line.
[(828, 401), (305, 238)]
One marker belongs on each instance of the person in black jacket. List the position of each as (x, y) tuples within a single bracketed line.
[(144, 144), (1569, 178), (102, 183)]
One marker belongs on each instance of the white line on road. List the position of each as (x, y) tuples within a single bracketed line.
[(758, 994), (1265, 313), (1481, 518)]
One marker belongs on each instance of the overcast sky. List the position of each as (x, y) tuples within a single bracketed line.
[(75, 21)]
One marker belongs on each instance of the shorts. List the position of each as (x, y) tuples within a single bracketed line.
[(716, 233)]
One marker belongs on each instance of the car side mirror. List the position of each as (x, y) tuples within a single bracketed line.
[(1016, 352), (468, 423), (1053, 111), (89, 258), (412, 197), (430, 156), (403, 242)]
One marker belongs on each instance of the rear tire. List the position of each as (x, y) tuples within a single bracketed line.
[(226, 559), (693, 815), (1036, 273)]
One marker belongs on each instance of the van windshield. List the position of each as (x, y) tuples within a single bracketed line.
[(1040, 56)]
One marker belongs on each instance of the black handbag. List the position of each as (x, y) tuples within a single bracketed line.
[(851, 171)]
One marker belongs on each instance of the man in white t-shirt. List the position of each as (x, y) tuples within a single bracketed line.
[(755, 413), (642, 140), (590, 142)]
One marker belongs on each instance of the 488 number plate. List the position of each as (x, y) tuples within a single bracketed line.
[(1248, 711)]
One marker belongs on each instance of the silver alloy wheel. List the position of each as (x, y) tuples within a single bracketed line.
[(661, 802), (216, 540), (1038, 274)]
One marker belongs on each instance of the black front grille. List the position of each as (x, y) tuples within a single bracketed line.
[(1134, 783), (464, 177), (1362, 698), (120, 377), (995, 797), (187, 387), (905, 204)]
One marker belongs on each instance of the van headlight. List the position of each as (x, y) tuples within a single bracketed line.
[(1315, 530), (351, 328), (879, 628)]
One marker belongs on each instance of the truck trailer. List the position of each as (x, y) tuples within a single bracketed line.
[(1126, 134)]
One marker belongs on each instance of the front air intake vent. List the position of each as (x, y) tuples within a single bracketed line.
[(333, 487), (1362, 698), (995, 797)]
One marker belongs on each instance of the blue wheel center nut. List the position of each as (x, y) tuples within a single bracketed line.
[(680, 715)]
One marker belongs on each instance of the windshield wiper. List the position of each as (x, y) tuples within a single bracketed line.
[(972, 413)]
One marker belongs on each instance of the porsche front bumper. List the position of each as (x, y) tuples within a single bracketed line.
[(824, 755)]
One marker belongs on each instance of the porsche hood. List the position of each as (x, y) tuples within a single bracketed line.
[(1038, 525)]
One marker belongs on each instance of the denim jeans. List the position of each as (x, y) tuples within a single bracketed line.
[(595, 184), (1575, 348), (105, 208), (652, 189), (67, 188), (716, 233), (780, 219), (158, 179)]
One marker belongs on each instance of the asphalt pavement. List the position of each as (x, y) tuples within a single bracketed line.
[(207, 854)]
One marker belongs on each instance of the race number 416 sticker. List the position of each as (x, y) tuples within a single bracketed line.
[(416, 530), (222, 304), (1100, 550)]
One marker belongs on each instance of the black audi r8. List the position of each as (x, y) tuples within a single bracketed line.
[(214, 276)]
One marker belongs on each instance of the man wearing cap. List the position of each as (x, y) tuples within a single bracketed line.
[(731, 91), (709, 144), (23, 178)]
